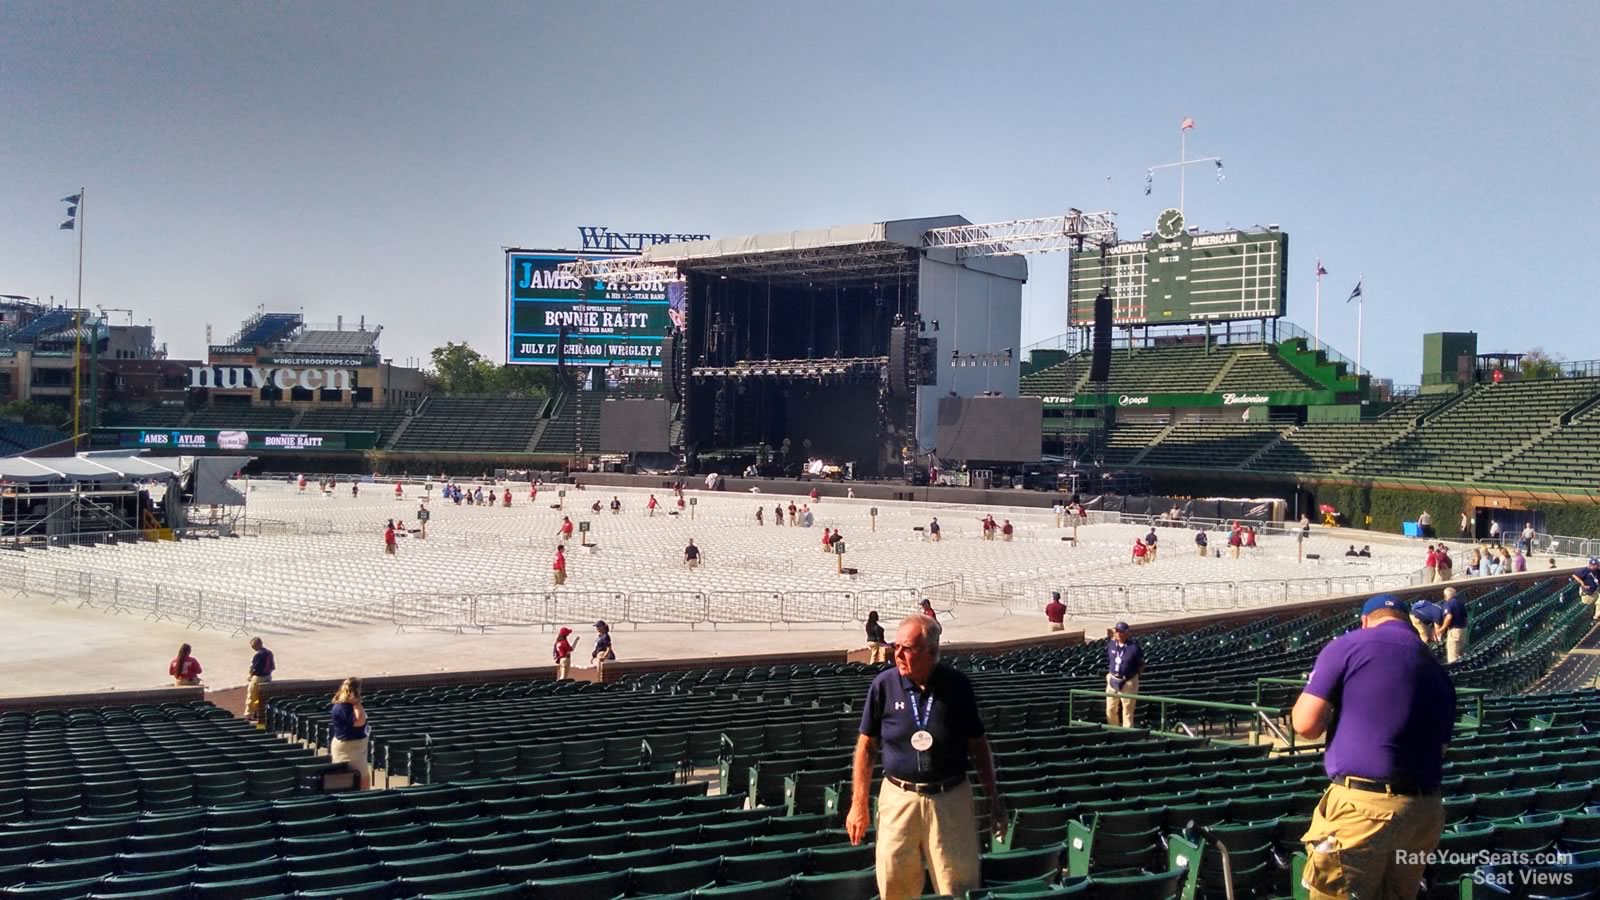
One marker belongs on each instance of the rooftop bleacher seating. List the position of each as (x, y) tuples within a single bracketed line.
[(459, 424), (320, 341), (1164, 370), (1124, 441), (265, 328), (46, 324)]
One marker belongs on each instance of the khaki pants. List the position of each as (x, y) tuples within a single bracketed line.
[(1150, 554), (252, 696), (1119, 710), (1442, 573), (916, 833), (693, 563), (1422, 628), (1364, 839), (1589, 600), (880, 653), (1200, 550), (1455, 644), (934, 537), (1005, 537), (560, 576), (1058, 626), (1233, 550), (563, 665)]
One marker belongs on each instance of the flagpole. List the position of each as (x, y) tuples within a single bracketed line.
[(1316, 327), (77, 354), (1361, 309), (1183, 149)]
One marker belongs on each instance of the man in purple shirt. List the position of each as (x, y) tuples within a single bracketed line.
[(1387, 708)]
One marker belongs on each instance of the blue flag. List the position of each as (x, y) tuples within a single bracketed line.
[(72, 199), (1355, 293), (66, 226)]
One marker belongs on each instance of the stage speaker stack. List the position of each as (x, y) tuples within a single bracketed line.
[(901, 339), (1100, 363), (669, 368)]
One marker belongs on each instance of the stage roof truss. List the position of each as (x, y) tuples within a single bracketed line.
[(843, 265), (1049, 234)]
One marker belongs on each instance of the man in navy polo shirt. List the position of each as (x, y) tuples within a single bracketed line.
[(924, 716), (1425, 618), (1388, 708), (1124, 664), (1453, 625), (1589, 584)]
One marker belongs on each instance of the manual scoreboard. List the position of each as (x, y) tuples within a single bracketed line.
[(1183, 277)]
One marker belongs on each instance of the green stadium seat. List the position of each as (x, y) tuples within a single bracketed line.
[(603, 886), (779, 889), (762, 867), (675, 877), (861, 885), (1017, 866)]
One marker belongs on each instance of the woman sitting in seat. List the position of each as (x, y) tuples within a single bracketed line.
[(185, 669)]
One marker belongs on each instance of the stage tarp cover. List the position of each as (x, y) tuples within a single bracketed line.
[(635, 426), (990, 429)]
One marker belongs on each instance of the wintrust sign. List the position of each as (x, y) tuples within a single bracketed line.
[(233, 377)]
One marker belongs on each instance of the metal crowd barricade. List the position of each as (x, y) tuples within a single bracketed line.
[(1154, 598), (816, 607), (512, 610), (1209, 596), (892, 603), (666, 608), (70, 584), (452, 612), (588, 606), (1097, 600), (738, 607), (1260, 593)]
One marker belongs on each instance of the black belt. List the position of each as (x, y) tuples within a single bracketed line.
[(1397, 788), (926, 788)]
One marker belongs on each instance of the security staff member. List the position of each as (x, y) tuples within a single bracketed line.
[(1588, 581), (1453, 625), (1124, 663), (1425, 618), (924, 716), (1387, 707), (1055, 612)]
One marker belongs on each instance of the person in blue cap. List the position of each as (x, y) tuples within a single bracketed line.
[(1425, 618), (1589, 584), (1124, 664), (1387, 707)]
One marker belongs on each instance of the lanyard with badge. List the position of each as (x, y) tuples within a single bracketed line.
[(921, 739)]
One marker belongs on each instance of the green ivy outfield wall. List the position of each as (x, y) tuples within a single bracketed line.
[(1383, 507)]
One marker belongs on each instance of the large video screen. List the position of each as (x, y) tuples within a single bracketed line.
[(603, 327), (990, 429), (1188, 278), (635, 426)]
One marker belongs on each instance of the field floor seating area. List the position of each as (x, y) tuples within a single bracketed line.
[(733, 782)]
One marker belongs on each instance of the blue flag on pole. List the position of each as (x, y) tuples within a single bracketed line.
[(67, 225), (73, 199), (1355, 293)]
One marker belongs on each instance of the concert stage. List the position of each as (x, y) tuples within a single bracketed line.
[(837, 343)]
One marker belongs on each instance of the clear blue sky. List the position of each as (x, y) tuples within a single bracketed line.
[(374, 158)]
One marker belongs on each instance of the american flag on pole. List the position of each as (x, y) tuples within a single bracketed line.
[(1320, 270), (1188, 123)]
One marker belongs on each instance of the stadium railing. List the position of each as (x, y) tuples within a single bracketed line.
[(1269, 717), (1100, 600)]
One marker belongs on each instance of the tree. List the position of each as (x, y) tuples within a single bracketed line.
[(1537, 363), (32, 412), (459, 369)]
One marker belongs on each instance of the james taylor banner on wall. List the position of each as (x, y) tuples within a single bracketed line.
[(603, 327)]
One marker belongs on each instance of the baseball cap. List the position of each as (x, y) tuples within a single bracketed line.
[(1055, 595), (1384, 601), (1594, 560), (1120, 626)]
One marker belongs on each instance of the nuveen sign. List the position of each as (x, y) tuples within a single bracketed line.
[(281, 378)]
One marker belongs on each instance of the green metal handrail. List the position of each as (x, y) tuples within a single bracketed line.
[(1476, 694), (1266, 714)]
